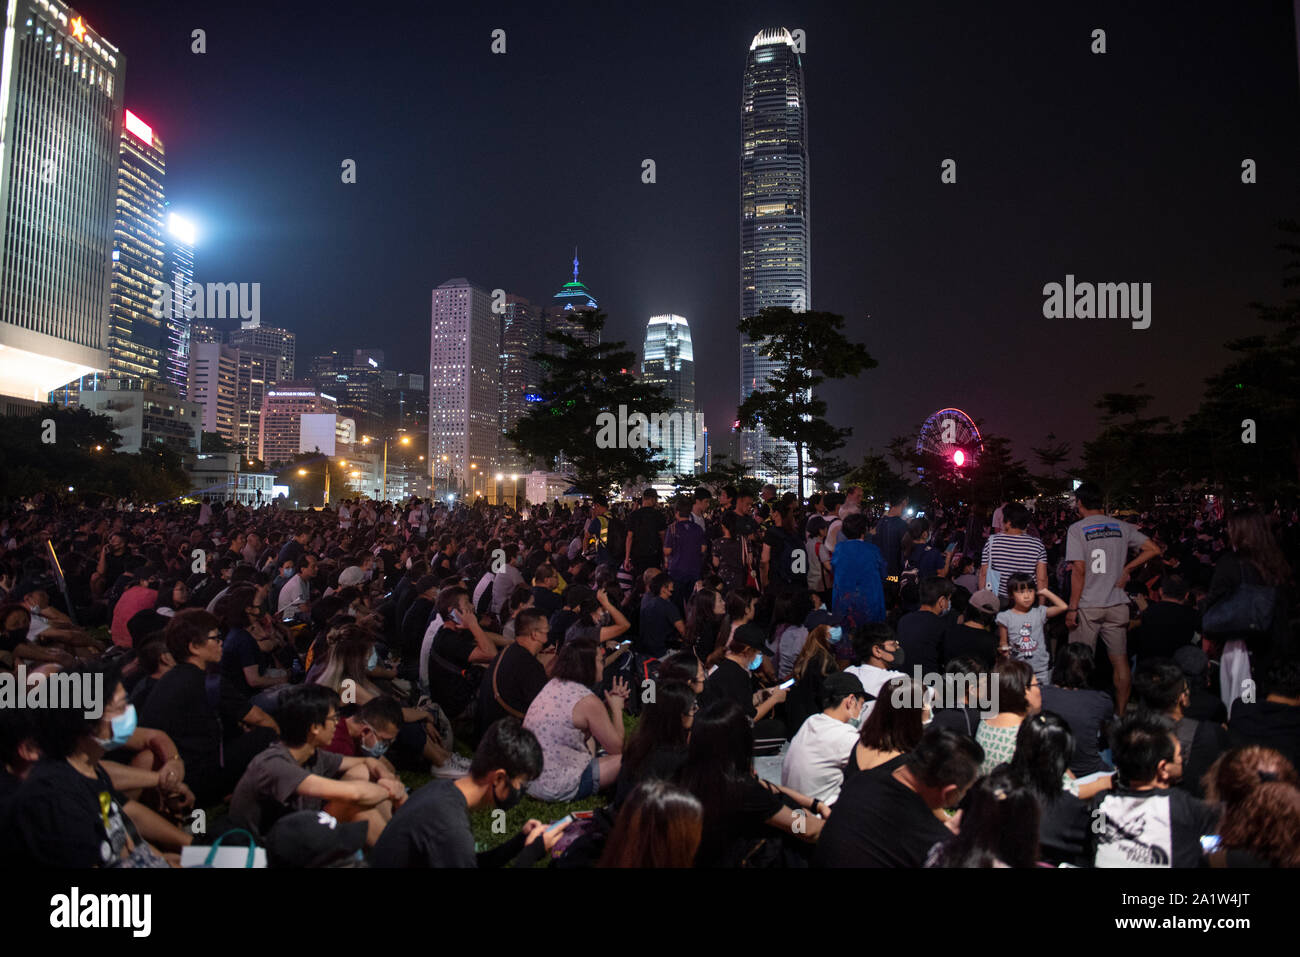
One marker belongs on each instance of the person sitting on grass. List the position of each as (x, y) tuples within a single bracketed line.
[(659, 826), (297, 774), (433, 829)]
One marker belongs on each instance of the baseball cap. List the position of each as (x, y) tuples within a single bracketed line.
[(985, 601), (841, 683), (1191, 660), (314, 839), (752, 636), (352, 575)]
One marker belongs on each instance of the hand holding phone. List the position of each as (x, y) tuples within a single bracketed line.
[(786, 684)]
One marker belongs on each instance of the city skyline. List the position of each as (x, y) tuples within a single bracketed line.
[(950, 275)]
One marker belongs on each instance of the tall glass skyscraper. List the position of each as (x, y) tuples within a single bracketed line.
[(135, 335), (179, 273), (60, 127), (521, 375), (775, 268), (668, 361)]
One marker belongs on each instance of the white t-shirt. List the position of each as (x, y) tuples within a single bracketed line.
[(814, 763), (873, 679)]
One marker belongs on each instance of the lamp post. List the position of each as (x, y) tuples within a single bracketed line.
[(500, 479), (383, 494), (327, 481), (473, 474), (514, 491)]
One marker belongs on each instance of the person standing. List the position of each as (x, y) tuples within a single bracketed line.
[(644, 547), (1097, 548)]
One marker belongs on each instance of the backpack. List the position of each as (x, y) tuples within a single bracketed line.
[(484, 605)]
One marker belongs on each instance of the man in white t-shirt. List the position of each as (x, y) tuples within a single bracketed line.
[(814, 764), (881, 655)]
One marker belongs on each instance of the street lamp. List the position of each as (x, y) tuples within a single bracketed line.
[(473, 468), (500, 478), (405, 440), (514, 491)]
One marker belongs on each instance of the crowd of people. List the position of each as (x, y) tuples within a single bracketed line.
[(727, 680)]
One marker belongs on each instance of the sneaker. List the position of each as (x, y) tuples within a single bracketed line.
[(456, 767)]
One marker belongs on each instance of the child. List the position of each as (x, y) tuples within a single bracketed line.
[(1021, 628)]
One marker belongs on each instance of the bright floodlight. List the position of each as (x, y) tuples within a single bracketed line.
[(181, 228), (958, 458)]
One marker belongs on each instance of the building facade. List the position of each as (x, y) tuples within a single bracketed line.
[(464, 383), (668, 361), (136, 343), (280, 419), (145, 413), (280, 342), (775, 269), (521, 340), (214, 386), (60, 129), (178, 267), (563, 310)]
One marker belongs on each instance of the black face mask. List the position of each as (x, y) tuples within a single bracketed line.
[(514, 797)]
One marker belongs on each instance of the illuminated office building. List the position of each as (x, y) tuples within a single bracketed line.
[(774, 241), (668, 361), (177, 329), (60, 133), (464, 383)]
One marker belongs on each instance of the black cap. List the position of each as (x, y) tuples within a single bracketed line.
[(599, 499), (650, 493), (314, 839), (751, 635), (841, 683)]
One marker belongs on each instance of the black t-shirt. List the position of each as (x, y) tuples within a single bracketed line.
[(546, 601), (878, 822), (962, 720), (1209, 740), (730, 682), (414, 623), (657, 626), (1063, 831), (560, 623), (1270, 723), (739, 825), (178, 706), (921, 634), (455, 645), (431, 829), (1087, 712), (238, 652), (645, 524), (889, 539), (962, 641), (518, 678), (61, 818), (1165, 627)]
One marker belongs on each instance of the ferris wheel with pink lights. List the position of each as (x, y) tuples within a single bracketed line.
[(952, 435)]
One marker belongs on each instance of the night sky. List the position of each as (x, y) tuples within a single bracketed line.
[(1122, 167)]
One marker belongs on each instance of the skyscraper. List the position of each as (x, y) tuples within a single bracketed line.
[(774, 241), (281, 342), (136, 343), (214, 385), (573, 297), (60, 127), (464, 383), (521, 339), (178, 269), (668, 361)]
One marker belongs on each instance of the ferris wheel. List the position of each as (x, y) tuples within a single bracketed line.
[(952, 435)]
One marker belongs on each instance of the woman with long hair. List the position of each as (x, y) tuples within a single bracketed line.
[(704, 613), (1044, 746), (739, 611), (744, 816), (1087, 711), (999, 827), (1253, 558), (658, 747), (815, 661), (660, 825), (891, 730)]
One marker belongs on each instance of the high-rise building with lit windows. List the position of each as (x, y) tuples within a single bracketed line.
[(775, 268), (668, 361), (179, 273), (136, 342), (464, 383), (521, 340), (282, 342), (563, 312), (60, 132)]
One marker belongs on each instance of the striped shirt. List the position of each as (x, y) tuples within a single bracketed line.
[(1008, 554)]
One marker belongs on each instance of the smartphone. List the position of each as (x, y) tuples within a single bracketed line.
[(567, 819), (625, 644), (786, 684), (1210, 843), (951, 548)]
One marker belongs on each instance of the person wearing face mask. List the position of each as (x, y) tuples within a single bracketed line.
[(814, 764), (920, 632), (67, 813), (368, 730), (732, 680), (879, 658), (433, 828)]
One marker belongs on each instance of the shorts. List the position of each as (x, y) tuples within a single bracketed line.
[(1111, 623), (589, 783)]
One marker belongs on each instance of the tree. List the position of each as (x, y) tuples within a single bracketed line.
[(874, 475), (305, 477), (586, 389), (1129, 460), (1050, 455), (808, 348)]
